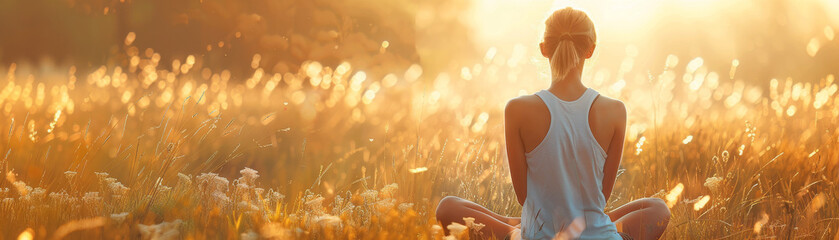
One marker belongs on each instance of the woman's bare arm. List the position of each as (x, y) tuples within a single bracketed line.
[(615, 151), (515, 149)]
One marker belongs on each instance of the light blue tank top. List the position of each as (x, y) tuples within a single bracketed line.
[(565, 175)]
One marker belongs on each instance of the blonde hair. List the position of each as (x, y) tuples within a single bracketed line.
[(570, 33)]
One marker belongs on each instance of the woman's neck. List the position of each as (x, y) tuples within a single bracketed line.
[(569, 88)]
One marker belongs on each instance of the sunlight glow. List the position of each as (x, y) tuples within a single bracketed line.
[(673, 196), (687, 139), (640, 144), (701, 203), (764, 219)]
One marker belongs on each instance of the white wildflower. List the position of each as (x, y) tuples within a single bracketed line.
[(11, 176), (26, 190), (348, 209), (276, 196), (91, 198), (242, 189), (221, 181), (220, 197), (245, 185), (370, 196), (713, 183), (110, 180), (246, 206), (249, 175), (470, 222), (403, 207), (389, 190), (184, 180), (436, 230), (101, 176), (455, 229), (384, 205), (212, 182), (164, 189), (36, 194), (119, 217), (59, 196), (213, 187), (21, 187), (117, 188), (70, 175), (328, 220), (315, 205)]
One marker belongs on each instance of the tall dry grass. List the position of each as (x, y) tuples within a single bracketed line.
[(148, 149)]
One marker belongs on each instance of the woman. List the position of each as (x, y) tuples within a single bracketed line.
[(564, 145)]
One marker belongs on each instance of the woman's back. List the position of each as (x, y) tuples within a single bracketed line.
[(564, 146), (565, 168)]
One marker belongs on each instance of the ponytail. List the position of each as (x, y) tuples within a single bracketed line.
[(565, 57)]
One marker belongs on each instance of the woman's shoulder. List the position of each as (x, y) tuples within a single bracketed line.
[(524, 101), (613, 108), (524, 105), (610, 103)]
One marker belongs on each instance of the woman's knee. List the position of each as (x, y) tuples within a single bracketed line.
[(447, 206), (659, 207)]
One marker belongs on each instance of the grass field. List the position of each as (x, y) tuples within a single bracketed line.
[(172, 150)]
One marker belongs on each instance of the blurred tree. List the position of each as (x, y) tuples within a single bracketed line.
[(226, 34)]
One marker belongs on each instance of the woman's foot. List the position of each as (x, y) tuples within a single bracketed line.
[(514, 235)]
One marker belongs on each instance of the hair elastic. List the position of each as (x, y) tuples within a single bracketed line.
[(565, 36)]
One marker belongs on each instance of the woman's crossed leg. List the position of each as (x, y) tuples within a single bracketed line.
[(454, 209), (642, 219)]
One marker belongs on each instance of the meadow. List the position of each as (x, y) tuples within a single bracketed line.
[(172, 150)]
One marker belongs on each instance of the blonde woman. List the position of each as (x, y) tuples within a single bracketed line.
[(564, 145)]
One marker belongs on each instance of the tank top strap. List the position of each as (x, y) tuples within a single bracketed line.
[(548, 98), (588, 98)]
